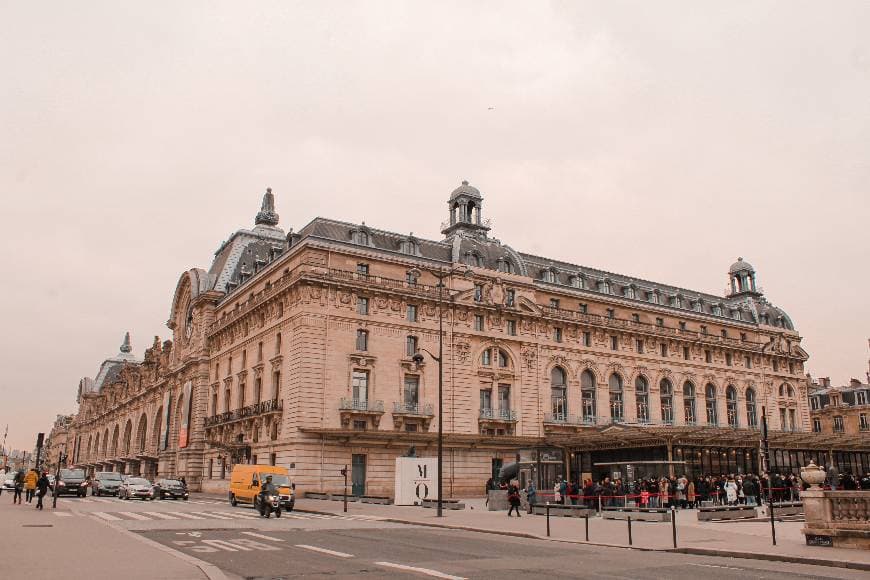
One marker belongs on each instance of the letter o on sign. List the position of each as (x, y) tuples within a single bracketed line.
[(425, 489)]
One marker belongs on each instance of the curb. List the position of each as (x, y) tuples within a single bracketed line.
[(775, 558)]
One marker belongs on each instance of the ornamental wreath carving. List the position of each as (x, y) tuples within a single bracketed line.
[(463, 350)]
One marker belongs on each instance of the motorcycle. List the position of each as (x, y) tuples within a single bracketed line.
[(270, 503)]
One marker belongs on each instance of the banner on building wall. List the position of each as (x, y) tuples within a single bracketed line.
[(164, 427), (186, 405), (415, 480)]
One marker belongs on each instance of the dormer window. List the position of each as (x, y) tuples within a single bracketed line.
[(548, 276), (717, 310), (604, 287), (574, 281), (629, 292), (473, 259), (361, 237), (698, 306), (410, 246), (506, 266), (652, 297)]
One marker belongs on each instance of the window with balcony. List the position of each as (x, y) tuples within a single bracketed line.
[(412, 391), (258, 389), (611, 313), (362, 271), (559, 393), (278, 343), (587, 393), (411, 346), (666, 394), (214, 403), (276, 384), (478, 292), (689, 403), (731, 405), (641, 397), (485, 401), (362, 340), (411, 278), (584, 308), (411, 313), (554, 303), (241, 397), (710, 404), (616, 403), (838, 424), (362, 305), (360, 387), (486, 357), (504, 398)]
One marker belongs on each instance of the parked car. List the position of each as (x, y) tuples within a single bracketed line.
[(170, 488), (8, 483), (72, 482), (106, 483), (136, 488)]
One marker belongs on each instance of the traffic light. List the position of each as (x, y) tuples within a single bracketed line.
[(40, 438)]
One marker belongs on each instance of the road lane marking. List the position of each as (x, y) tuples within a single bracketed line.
[(226, 545), (256, 535), (242, 515), (324, 551), (101, 500), (187, 515), (716, 566), (426, 571), (162, 516), (107, 517), (63, 514), (135, 516)]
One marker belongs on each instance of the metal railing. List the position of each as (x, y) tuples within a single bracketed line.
[(361, 405), (498, 414), (255, 410), (425, 409)]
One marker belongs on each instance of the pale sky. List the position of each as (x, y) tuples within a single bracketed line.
[(656, 139)]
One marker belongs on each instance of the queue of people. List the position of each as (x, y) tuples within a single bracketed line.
[(34, 485)]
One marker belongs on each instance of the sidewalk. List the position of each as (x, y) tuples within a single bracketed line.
[(44, 544), (735, 538)]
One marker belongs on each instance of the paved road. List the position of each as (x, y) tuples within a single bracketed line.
[(241, 544)]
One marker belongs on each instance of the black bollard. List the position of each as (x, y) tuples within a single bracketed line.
[(629, 530), (548, 519), (587, 526), (674, 525)]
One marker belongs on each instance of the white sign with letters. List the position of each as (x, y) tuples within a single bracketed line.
[(416, 480)]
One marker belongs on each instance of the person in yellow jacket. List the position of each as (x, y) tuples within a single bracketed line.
[(30, 485)]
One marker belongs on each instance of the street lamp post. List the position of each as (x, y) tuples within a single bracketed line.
[(418, 360), (766, 448)]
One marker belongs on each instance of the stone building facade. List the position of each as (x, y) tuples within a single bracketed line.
[(297, 349)]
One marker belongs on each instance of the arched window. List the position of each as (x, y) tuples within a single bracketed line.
[(503, 359), (641, 398), (751, 413), (731, 404), (615, 384), (666, 393), (587, 393), (710, 404), (361, 237), (689, 403), (486, 357), (548, 276), (559, 393), (506, 265)]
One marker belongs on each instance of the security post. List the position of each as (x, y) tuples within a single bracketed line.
[(344, 473)]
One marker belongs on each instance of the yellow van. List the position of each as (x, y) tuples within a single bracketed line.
[(246, 481)]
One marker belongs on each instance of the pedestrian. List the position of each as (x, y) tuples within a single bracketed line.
[(557, 494), (41, 489), (690, 494), (731, 492), (19, 487), (749, 490), (563, 491), (531, 495), (514, 499), (680, 495), (489, 483), (30, 485), (664, 491)]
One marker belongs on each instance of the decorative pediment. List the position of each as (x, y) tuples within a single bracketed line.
[(228, 382), (242, 375), (257, 369), (276, 362), (362, 360), (615, 367)]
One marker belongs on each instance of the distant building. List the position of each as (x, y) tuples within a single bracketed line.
[(297, 349)]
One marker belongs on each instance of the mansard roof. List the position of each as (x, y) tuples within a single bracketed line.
[(488, 251), (110, 369)]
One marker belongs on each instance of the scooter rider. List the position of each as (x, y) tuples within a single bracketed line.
[(267, 490)]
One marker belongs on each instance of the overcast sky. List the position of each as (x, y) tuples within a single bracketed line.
[(657, 139)]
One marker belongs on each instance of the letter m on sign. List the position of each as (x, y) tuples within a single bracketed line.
[(423, 470)]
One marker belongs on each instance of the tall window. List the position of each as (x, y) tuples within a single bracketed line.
[(710, 404), (512, 327), (410, 346), (510, 297), (838, 424), (817, 425), (412, 390), (276, 384), (227, 400), (615, 384), (504, 397), (478, 322), (411, 278), (486, 400), (360, 386), (362, 305), (666, 393), (362, 340), (731, 404), (486, 357), (412, 313), (751, 412), (641, 397), (478, 292), (502, 359), (258, 388), (557, 334), (278, 344), (242, 390), (689, 403), (559, 393), (587, 392), (214, 403)]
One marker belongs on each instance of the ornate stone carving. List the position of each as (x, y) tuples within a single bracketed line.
[(463, 350), (529, 356)]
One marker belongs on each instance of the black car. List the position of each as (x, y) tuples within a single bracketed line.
[(72, 482), (106, 483), (170, 488)]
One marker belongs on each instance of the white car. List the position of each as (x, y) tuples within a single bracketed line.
[(8, 484)]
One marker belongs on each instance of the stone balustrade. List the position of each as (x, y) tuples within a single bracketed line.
[(837, 518)]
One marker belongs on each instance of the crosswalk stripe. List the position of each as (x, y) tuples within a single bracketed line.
[(244, 515), (216, 515), (162, 516), (101, 500), (107, 517), (135, 516), (256, 535), (187, 515)]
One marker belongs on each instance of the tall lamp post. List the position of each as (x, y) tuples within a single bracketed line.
[(418, 360), (766, 447)]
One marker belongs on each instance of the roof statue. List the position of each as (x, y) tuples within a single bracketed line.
[(267, 215), (125, 346)]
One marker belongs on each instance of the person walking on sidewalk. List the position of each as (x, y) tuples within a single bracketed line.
[(41, 489), (30, 485), (514, 499), (19, 487), (531, 495)]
